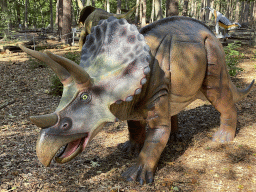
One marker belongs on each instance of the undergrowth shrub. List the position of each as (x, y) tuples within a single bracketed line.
[(35, 63), (233, 56), (57, 87)]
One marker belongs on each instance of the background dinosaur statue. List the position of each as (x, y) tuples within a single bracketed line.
[(223, 22), (144, 77), (90, 16)]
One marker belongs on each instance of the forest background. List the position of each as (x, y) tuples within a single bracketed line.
[(62, 15)]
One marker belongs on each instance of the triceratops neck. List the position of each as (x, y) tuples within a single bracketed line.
[(134, 109)]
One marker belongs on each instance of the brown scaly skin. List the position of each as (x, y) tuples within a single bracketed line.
[(145, 78)]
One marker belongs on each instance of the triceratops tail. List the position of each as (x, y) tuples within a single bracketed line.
[(239, 94)]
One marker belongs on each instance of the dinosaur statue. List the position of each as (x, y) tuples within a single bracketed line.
[(223, 22), (90, 16), (144, 77)]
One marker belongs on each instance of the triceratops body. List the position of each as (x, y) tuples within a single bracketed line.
[(144, 77)]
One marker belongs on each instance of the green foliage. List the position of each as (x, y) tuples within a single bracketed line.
[(233, 56), (57, 87), (34, 63)]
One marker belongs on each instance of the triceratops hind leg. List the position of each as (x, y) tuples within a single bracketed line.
[(216, 89), (137, 134)]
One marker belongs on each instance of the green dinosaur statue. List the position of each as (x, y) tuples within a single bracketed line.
[(90, 16), (144, 77)]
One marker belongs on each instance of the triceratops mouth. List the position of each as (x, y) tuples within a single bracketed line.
[(72, 149)]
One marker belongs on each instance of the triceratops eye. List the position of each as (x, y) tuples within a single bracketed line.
[(85, 97)]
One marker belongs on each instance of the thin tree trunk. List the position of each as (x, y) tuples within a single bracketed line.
[(137, 12), (185, 8), (246, 11), (60, 18), (80, 4), (172, 8), (237, 11), (144, 10), (254, 14), (26, 15), (158, 10), (66, 29), (51, 15), (152, 12), (18, 12), (108, 6), (251, 12), (195, 10), (241, 14), (210, 14), (141, 12), (192, 8), (202, 12), (118, 11)]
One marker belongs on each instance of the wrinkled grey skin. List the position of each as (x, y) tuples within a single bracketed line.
[(144, 77)]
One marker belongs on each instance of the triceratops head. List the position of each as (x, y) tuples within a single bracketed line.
[(114, 63)]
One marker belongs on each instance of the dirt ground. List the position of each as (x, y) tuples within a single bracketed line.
[(194, 163)]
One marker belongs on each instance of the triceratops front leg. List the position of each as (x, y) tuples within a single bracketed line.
[(137, 135), (156, 138)]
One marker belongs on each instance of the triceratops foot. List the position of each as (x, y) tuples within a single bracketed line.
[(131, 148), (139, 173), (223, 136)]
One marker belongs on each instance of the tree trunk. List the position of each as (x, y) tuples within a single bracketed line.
[(192, 8), (108, 6), (60, 18), (144, 10), (18, 12), (26, 15), (207, 12), (185, 8), (254, 14), (66, 29), (158, 10), (172, 8), (80, 4), (152, 12), (210, 14), (141, 11), (251, 12), (51, 15), (237, 11), (137, 12), (241, 14), (88, 2), (246, 11), (202, 12), (118, 11)]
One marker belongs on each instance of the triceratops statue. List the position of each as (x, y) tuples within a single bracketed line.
[(144, 77)]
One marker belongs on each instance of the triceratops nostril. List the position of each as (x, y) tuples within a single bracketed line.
[(66, 123)]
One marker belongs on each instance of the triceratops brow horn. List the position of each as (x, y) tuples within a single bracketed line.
[(45, 121), (77, 72), (60, 71)]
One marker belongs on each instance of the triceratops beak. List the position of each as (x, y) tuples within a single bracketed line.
[(45, 121), (60, 71), (77, 72)]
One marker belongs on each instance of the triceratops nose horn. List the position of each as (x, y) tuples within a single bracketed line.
[(77, 72), (60, 71), (45, 121)]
